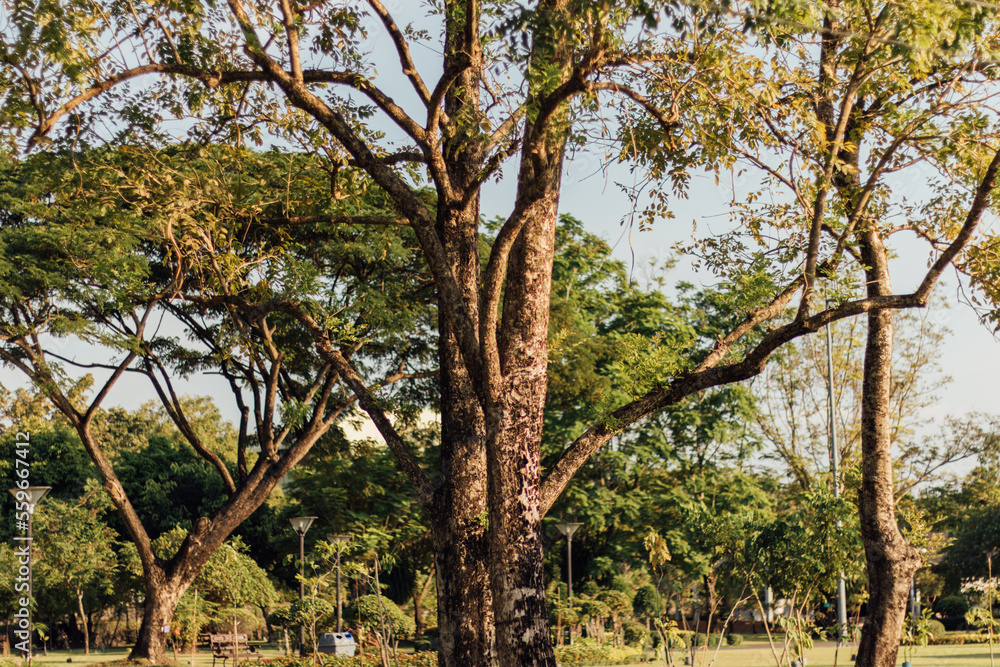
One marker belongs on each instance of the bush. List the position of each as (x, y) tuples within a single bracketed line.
[(952, 606), (713, 640), (309, 610), (734, 640), (960, 638), (401, 624), (636, 634), (427, 659), (589, 652), (936, 628)]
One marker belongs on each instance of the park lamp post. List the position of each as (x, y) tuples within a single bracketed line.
[(339, 541), (32, 495), (568, 529), (301, 525)]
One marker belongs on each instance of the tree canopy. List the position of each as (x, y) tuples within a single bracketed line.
[(344, 261)]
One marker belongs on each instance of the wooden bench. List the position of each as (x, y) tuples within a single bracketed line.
[(229, 646)]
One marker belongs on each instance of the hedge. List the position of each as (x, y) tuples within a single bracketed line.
[(963, 638), (589, 652), (713, 640), (423, 659)]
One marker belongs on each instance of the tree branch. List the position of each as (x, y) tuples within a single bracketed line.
[(171, 403), (407, 460), (403, 51), (709, 374)]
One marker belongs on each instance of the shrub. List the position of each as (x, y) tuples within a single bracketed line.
[(713, 640), (952, 606), (309, 610), (647, 602), (734, 640), (936, 628), (960, 638), (636, 634), (589, 652), (370, 611)]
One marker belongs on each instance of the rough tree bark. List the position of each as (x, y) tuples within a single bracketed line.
[(891, 560), (458, 510), (514, 451), (162, 595)]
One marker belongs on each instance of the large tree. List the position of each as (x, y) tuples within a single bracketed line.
[(517, 83), (102, 290)]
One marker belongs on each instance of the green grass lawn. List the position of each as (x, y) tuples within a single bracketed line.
[(202, 658), (974, 655)]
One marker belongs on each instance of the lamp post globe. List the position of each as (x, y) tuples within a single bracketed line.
[(301, 524)]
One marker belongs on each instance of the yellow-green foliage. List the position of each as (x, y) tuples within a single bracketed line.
[(590, 652)]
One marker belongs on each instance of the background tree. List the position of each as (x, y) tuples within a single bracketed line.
[(75, 550), (100, 308), (355, 485), (793, 415)]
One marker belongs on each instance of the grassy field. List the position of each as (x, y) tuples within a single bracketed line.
[(977, 655), (203, 658)]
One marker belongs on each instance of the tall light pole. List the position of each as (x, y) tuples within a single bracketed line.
[(834, 470), (339, 541), (301, 525), (568, 529), (32, 495)]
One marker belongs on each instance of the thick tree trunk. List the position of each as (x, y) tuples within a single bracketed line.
[(458, 527), (464, 601), (158, 610), (515, 423), (516, 550), (465, 616), (891, 560)]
